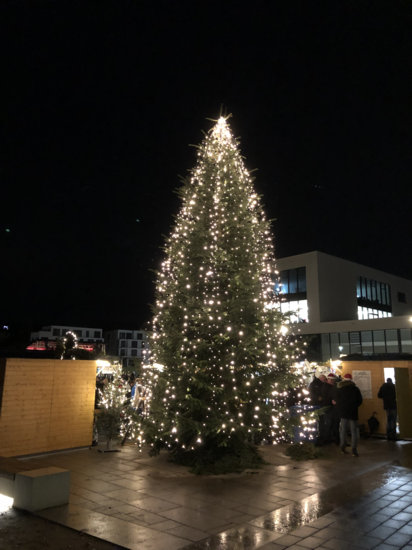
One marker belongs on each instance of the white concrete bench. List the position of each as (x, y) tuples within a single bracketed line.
[(33, 486)]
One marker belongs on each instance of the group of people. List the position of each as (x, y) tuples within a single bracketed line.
[(343, 399)]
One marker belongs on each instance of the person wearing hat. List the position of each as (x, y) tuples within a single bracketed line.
[(331, 416), (348, 399)]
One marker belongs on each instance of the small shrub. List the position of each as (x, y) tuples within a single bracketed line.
[(304, 451)]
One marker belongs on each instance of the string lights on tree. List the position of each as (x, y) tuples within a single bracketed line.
[(217, 329)]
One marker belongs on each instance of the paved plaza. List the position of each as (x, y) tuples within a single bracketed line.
[(145, 503)]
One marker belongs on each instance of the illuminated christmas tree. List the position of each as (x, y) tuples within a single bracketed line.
[(218, 336)]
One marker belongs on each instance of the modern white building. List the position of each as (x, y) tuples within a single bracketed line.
[(129, 345), (90, 339), (56, 332), (346, 307)]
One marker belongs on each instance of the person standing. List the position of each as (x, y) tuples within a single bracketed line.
[(348, 399), (387, 392), (329, 394), (315, 390)]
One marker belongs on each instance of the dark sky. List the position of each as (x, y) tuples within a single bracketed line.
[(102, 100)]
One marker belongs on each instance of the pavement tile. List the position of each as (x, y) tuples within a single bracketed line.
[(125, 495), (407, 530), (403, 516), (311, 542), (322, 522), (335, 544), (251, 510), (329, 533), (305, 531), (147, 517), (396, 524), (367, 542), (288, 540), (272, 546), (223, 528), (288, 494), (193, 518), (185, 532), (152, 504), (164, 525), (220, 511), (382, 532), (384, 546), (399, 539)]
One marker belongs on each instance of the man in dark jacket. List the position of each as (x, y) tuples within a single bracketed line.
[(388, 394), (349, 399), (331, 416), (315, 390)]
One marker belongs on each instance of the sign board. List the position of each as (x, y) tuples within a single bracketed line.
[(363, 380)]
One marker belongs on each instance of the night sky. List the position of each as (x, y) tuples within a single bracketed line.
[(102, 99)]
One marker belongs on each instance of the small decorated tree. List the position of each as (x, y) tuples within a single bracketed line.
[(116, 416), (218, 335)]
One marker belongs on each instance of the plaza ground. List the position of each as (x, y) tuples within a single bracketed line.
[(133, 501)]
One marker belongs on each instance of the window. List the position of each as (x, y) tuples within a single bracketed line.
[(122, 335), (122, 343), (334, 345), (138, 336), (344, 343), (134, 344), (392, 344), (56, 332), (299, 310), (402, 297), (122, 352), (292, 281), (379, 341), (325, 347), (134, 353), (78, 333), (406, 340), (354, 341), (129, 335), (87, 333), (97, 333), (367, 346), (374, 299)]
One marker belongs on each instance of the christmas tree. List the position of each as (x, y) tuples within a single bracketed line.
[(217, 333)]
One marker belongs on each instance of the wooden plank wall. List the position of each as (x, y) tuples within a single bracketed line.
[(47, 405), (377, 375)]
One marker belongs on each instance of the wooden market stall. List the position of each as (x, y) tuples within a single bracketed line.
[(45, 405), (369, 375)]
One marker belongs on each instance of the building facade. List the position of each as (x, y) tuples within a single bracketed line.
[(346, 308), (90, 339), (130, 345)]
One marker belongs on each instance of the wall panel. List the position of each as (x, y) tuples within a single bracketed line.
[(46, 405)]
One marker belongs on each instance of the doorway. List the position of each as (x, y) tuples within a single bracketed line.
[(404, 401)]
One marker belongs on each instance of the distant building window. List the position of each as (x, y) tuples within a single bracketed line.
[(402, 297), (298, 311), (138, 336), (134, 352), (122, 343), (97, 333), (87, 333), (134, 344), (122, 352), (78, 332), (374, 299), (56, 332), (292, 281), (129, 335), (122, 335)]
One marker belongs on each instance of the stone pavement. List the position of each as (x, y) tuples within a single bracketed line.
[(147, 503)]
